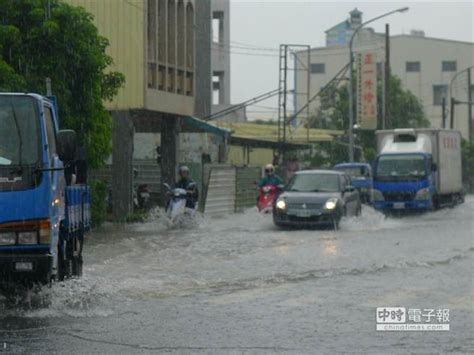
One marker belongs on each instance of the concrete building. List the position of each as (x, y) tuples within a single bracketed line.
[(221, 70), (426, 67), (163, 48)]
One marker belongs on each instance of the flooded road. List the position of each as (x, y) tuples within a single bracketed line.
[(239, 285)]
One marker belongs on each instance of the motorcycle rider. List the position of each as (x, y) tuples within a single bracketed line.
[(185, 182), (270, 177)]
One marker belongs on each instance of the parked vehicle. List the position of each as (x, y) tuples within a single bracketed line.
[(417, 169), (44, 213), (361, 176), (316, 197), (266, 197), (176, 207)]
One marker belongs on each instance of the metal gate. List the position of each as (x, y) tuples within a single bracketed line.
[(220, 197), (246, 187)]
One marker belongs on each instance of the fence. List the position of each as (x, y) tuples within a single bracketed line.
[(229, 189), (224, 189)]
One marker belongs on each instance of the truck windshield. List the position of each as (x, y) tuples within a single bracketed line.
[(358, 172), (19, 138), (401, 166)]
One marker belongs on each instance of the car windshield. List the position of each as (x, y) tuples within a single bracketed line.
[(355, 171), (314, 183), (19, 139), (396, 166)]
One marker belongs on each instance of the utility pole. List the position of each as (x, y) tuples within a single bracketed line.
[(387, 123), (443, 112), (469, 104), (453, 105)]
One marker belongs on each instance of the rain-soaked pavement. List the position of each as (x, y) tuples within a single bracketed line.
[(238, 285)]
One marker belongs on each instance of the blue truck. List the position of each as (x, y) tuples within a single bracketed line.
[(361, 176), (417, 169), (44, 199)]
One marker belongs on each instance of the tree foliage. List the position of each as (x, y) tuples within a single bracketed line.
[(60, 42), (468, 165), (404, 107)]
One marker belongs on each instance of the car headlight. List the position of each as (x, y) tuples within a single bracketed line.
[(330, 204), (27, 238), (423, 194), (281, 204), (377, 195), (7, 238)]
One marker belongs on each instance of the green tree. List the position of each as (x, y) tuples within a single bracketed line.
[(468, 165), (405, 111), (62, 43)]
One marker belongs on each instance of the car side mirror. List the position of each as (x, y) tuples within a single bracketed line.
[(349, 188), (67, 145), (434, 167)]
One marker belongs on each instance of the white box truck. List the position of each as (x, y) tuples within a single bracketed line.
[(417, 169)]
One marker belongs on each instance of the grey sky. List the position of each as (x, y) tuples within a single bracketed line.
[(269, 23)]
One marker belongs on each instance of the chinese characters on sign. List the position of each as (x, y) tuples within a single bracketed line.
[(367, 90), (412, 319)]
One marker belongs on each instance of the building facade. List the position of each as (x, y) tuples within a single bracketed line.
[(426, 66), (163, 47)]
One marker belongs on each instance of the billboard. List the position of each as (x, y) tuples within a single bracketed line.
[(366, 90)]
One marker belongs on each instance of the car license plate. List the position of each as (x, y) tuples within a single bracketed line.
[(24, 266), (399, 205), (303, 213)]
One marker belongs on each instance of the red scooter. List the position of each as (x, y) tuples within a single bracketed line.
[(266, 198)]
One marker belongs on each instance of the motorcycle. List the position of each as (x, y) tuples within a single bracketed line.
[(266, 198), (141, 197), (176, 206)]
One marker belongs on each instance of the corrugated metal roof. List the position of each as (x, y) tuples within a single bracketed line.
[(269, 133)]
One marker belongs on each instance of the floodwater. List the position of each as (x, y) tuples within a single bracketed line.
[(239, 285)]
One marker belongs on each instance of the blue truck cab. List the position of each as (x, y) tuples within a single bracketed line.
[(417, 169), (44, 214), (361, 176)]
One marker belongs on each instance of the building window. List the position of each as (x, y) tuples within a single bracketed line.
[(217, 93), (318, 68), (218, 26), (181, 34), (413, 67), (190, 36), (162, 39), (448, 65), (439, 92), (172, 33)]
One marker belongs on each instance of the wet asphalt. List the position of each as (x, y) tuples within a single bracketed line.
[(237, 285)]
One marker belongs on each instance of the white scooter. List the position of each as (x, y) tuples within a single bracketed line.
[(176, 210)]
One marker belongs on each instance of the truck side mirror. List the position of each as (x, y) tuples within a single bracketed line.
[(67, 145), (434, 167)]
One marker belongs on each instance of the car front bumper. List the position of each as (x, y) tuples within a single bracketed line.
[(282, 219)]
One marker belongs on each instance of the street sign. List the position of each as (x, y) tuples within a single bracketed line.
[(367, 90)]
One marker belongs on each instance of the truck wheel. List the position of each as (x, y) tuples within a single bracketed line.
[(65, 267), (77, 266), (77, 261), (61, 263)]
